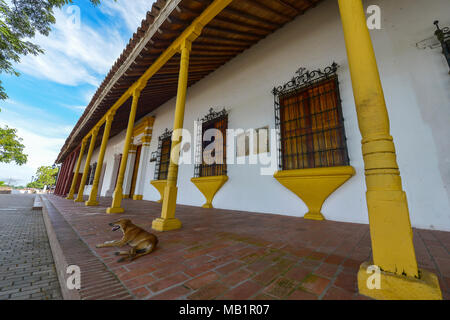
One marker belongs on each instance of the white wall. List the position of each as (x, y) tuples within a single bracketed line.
[(416, 87)]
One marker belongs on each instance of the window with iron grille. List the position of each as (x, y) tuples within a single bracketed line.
[(163, 157), (443, 36), (309, 117), (91, 176), (204, 167), (88, 177)]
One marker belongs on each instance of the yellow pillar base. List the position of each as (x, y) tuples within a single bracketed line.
[(125, 196), (115, 210), (314, 216), (69, 198), (116, 203), (396, 287), (168, 222), (314, 186), (91, 203), (138, 197), (79, 200), (161, 224), (209, 187), (390, 224), (159, 185)]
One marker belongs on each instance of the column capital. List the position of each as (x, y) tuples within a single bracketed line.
[(110, 115), (95, 131), (186, 44), (140, 85), (194, 31)]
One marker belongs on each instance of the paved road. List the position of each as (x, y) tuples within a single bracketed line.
[(27, 270)]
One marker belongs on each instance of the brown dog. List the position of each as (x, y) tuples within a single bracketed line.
[(140, 241)]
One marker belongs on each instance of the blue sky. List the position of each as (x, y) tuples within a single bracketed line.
[(47, 99)]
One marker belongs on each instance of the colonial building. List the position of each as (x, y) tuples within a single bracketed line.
[(301, 120)]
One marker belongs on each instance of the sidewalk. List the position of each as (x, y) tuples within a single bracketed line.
[(27, 270), (222, 254)]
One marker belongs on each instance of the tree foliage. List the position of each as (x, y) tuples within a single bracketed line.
[(46, 176), (20, 20), (11, 147)]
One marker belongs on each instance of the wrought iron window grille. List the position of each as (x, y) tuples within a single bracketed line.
[(218, 120), (292, 135), (443, 36), (92, 169), (305, 78), (162, 165)]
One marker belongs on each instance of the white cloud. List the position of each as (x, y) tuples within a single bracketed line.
[(77, 109), (33, 119), (73, 56), (76, 53), (43, 135), (132, 12), (41, 150)]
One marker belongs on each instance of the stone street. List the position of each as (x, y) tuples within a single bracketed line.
[(27, 269)]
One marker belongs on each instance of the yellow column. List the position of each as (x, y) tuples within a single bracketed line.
[(390, 227), (168, 221), (93, 196), (77, 170), (86, 166), (118, 192)]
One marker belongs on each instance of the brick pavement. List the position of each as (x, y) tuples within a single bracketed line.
[(97, 281), (26, 263), (222, 254)]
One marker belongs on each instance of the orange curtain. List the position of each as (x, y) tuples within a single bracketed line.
[(216, 169), (165, 158), (311, 128)]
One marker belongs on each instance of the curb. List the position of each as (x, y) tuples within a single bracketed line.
[(37, 204), (59, 258)]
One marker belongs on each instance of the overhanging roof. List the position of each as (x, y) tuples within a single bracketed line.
[(238, 27)]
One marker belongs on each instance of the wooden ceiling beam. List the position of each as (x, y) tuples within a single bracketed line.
[(252, 17), (289, 6), (220, 40), (268, 9), (175, 69), (242, 24), (216, 47), (234, 32), (235, 12)]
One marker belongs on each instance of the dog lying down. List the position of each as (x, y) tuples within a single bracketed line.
[(140, 241)]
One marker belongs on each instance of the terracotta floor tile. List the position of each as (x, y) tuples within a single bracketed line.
[(327, 270), (209, 292), (281, 287), (202, 280), (335, 293), (302, 295), (315, 284), (242, 292)]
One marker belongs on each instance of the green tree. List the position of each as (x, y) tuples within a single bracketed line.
[(11, 147), (46, 176), (35, 185), (20, 20), (2, 183)]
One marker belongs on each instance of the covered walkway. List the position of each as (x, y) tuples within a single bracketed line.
[(222, 254)]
